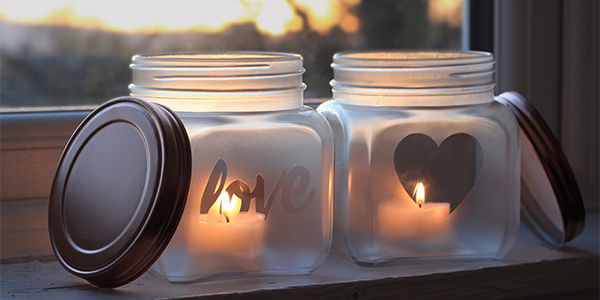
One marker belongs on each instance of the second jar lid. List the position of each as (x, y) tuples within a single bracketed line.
[(550, 198)]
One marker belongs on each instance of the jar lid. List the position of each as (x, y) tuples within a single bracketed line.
[(550, 198), (119, 191)]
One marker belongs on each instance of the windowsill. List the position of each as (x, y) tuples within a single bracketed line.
[(530, 269), (33, 141)]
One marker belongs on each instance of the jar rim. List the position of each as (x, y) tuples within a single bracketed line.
[(174, 79), (398, 78), (219, 57), (409, 59)]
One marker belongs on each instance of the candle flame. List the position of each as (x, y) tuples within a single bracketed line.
[(419, 194), (229, 206)]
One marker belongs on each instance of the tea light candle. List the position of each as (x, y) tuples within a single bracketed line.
[(396, 220), (226, 230)]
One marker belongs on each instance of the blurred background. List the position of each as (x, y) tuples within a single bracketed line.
[(77, 52)]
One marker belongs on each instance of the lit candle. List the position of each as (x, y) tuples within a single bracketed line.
[(419, 194), (226, 230), (396, 219), (229, 208)]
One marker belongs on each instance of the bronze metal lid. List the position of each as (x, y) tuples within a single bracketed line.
[(119, 191), (550, 198)]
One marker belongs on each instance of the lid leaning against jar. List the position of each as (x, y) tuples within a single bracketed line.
[(119, 191), (122, 182), (550, 198), (220, 81)]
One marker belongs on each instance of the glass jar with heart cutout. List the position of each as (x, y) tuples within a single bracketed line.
[(426, 162)]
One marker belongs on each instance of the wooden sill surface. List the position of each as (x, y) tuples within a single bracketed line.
[(530, 270)]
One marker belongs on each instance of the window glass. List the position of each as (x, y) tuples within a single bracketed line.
[(69, 52)]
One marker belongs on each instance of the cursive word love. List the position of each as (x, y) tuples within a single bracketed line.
[(289, 185)]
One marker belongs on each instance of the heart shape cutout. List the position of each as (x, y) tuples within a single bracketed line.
[(448, 172)]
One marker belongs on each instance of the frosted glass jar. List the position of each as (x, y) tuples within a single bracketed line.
[(260, 192), (427, 164), (237, 181)]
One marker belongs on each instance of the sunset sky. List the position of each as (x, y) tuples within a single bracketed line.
[(271, 17)]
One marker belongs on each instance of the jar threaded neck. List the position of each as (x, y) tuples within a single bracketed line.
[(229, 81), (413, 78)]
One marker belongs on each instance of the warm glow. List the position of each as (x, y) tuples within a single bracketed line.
[(230, 206), (277, 18), (323, 15), (272, 17), (419, 194), (449, 11), (350, 23)]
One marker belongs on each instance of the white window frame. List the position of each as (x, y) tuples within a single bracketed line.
[(547, 50), (31, 143)]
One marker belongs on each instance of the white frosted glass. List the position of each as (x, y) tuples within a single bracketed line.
[(461, 145), (260, 197), (293, 233)]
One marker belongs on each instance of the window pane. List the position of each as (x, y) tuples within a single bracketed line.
[(70, 52)]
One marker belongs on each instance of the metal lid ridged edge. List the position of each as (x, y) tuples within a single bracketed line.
[(168, 206), (556, 166)]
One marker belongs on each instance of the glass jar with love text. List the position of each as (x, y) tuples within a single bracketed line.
[(260, 195), (427, 164)]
